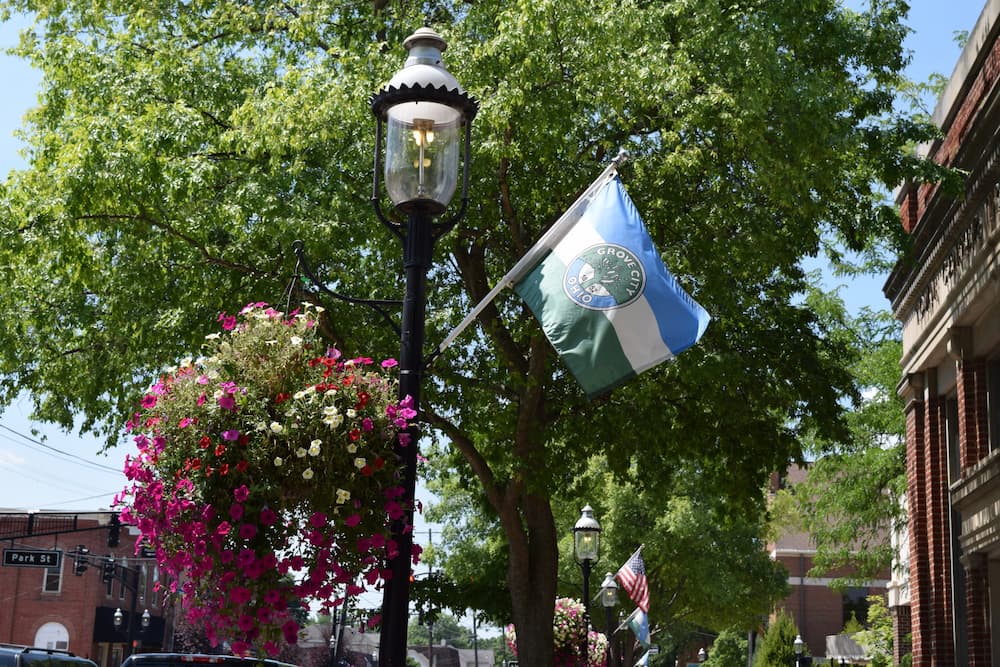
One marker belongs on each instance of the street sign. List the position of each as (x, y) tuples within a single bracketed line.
[(31, 558)]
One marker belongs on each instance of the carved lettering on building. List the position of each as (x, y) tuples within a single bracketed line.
[(958, 259)]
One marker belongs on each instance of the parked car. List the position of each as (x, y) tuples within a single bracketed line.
[(196, 660), (13, 655)]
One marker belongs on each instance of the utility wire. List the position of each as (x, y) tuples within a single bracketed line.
[(79, 459)]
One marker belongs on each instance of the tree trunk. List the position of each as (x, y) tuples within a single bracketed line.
[(531, 577)]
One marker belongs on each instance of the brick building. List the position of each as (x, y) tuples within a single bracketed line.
[(818, 610), (54, 607), (947, 296)]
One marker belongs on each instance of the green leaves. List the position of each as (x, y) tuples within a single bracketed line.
[(179, 148)]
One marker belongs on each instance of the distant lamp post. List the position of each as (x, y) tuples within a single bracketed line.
[(119, 618), (586, 550), (702, 654), (799, 646), (146, 618), (425, 118), (609, 598)]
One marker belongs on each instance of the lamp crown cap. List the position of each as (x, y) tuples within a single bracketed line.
[(427, 36)]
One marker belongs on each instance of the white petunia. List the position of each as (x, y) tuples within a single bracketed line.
[(307, 473)]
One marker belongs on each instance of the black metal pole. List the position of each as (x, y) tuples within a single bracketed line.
[(418, 245), (475, 639), (607, 624), (131, 611), (585, 566)]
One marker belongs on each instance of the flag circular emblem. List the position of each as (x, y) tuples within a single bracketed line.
[(604, 277)]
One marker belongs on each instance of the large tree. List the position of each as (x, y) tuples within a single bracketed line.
[(179, 148)]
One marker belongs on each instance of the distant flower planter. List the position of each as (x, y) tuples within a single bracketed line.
[(265, 476), (569, 628)]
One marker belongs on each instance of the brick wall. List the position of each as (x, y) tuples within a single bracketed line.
[(973, 416), (26, 607), (921, 600), (938, 535), (915, 200)]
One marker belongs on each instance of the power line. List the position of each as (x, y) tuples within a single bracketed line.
[(79, 459), (80, 500)]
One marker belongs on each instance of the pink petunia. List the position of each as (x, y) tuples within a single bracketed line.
[(291, 632), (228, 321), (241, 494)]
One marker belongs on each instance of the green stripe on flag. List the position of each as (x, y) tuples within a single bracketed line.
[(584, 338)]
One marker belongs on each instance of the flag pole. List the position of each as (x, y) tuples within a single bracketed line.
[(626, 621), (535, 253)]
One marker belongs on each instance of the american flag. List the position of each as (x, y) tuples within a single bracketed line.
[(632, 576)]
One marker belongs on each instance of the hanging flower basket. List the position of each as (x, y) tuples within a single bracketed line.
[(265, 476), (569, 627)]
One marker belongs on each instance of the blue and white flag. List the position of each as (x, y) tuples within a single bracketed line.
[(604, 298), (638, 623)]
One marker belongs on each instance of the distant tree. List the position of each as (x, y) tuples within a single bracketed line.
[(446, 628), (877, 638), (728, 650), (777, 647), (850, 500)]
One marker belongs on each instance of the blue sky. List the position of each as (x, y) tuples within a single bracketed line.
[(67, 473)]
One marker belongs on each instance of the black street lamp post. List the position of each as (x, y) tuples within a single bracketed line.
[(119, 618), (799, 647), (586, 549), (421, 114), (609, 598)]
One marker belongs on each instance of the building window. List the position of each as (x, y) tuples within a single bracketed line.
[(993, 402), (52, 636), (154, 594), (856, 605), (52, 578), (123, 579), (143, 575), (109, 584)]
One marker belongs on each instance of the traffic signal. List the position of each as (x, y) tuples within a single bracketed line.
[(108, 570), (80, 564), (114, 531)]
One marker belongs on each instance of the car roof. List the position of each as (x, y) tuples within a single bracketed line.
[(197, 659), (35, 655)]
